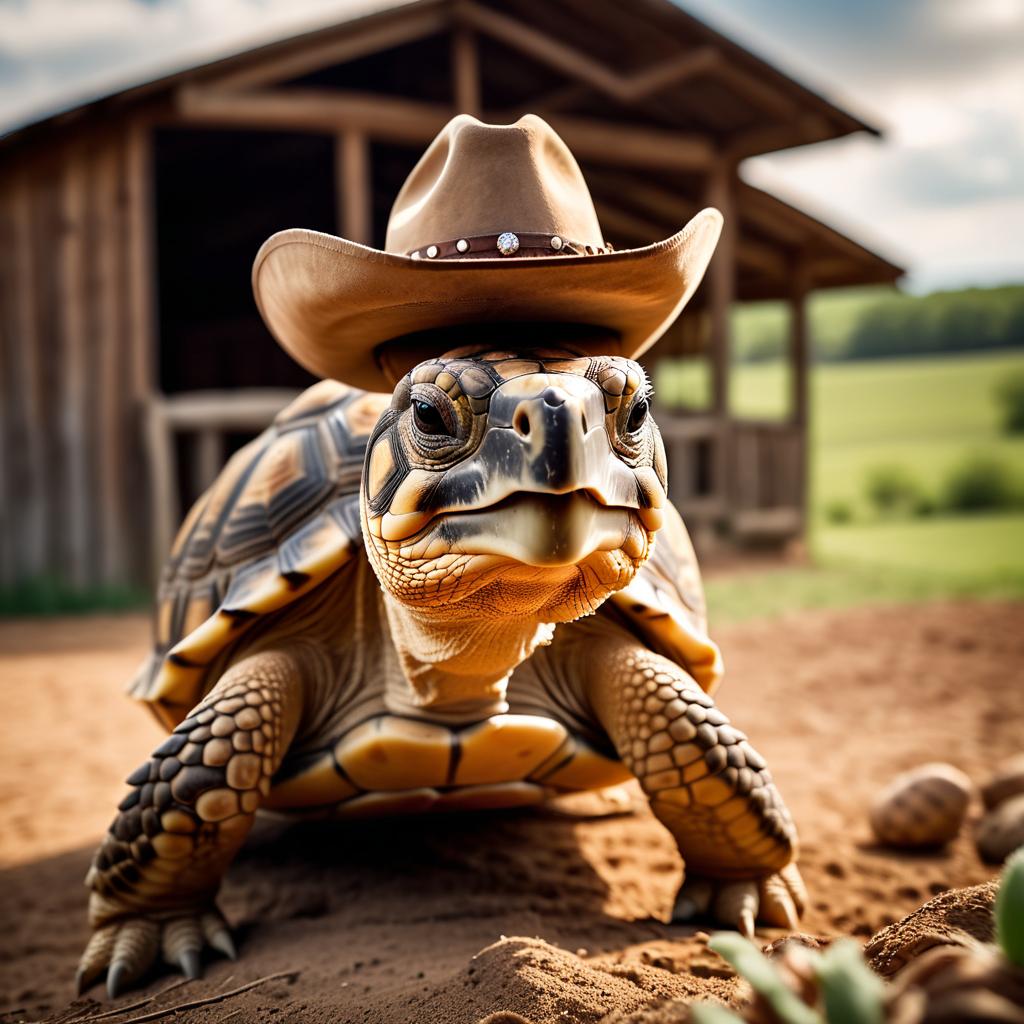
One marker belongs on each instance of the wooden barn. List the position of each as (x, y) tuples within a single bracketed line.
[(132, 358)]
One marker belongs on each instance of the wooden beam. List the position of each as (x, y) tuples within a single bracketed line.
[(354, 186), (141, 260), (569, 61), (402, 120), (466, 72), (626, 146), (384, 33), (324, 110), (722, 282), (780, 135)]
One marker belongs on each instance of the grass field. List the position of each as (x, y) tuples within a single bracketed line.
[(925, 414)]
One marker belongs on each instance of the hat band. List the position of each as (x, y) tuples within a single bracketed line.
[(508, 243)]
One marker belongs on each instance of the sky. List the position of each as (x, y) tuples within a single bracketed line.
[(942, 193)]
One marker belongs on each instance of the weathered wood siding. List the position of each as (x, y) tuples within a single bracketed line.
[(75, 323)]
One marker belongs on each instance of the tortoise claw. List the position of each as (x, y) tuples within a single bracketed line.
[(188, 961), (117, 979)]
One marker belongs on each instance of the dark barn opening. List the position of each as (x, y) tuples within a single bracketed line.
[(219, 196)]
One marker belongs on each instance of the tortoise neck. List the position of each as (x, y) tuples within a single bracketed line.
[(456, 670)]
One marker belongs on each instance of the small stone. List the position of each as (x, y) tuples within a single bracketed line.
[(1007, 782), (1001, 831), (922, 807)]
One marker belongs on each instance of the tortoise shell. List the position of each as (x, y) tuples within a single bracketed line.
[(284, 515)]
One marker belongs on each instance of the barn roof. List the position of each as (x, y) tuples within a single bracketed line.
[(651, 63), (646, 95)]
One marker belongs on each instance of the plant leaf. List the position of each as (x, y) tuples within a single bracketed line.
[(760, 972), (851, 991), (1009, 912), (712, 1013)]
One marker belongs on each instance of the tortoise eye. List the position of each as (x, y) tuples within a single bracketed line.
[(429, 420), (638, 415)]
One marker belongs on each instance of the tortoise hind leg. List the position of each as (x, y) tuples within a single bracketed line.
[(157, 871), (704, 781)]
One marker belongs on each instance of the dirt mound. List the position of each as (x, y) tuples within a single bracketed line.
[(955, 918)]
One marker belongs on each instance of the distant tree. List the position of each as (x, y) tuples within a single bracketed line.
[(892, 488)]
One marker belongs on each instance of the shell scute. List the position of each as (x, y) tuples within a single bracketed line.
[(282, 516)]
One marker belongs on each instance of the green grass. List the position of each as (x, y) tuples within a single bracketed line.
[(925, 414)]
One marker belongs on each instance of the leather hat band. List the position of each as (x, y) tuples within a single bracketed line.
[(508, 243)]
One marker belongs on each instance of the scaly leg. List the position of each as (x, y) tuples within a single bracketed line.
[(705, 783), (156, 874)]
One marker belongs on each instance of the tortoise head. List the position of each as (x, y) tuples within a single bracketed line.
[(502, 484)]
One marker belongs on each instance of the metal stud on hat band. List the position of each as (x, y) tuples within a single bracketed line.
[(507, 243)]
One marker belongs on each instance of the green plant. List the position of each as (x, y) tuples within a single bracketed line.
[(1009, 913), (849, 992), (1010, 397), (838, 511), (972, 982), (980, 482), (892, 488)]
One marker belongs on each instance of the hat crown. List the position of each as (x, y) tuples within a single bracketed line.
[(479, 179)]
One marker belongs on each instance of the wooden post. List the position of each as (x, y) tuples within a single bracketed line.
[(721, 282), (466, 73), (799, 358), (354, 189), (721, 292)]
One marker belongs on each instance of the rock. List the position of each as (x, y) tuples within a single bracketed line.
[(1001, 831), (1007, 782), (958, 917), (922, 807)]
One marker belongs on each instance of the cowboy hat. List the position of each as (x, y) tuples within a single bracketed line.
[(494, 224)]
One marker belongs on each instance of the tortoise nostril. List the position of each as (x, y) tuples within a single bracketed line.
[(554, 396), (522, 423)]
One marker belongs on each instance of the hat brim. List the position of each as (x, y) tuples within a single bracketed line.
[(334, 304)]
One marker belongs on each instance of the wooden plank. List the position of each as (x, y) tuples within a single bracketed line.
[(799, 356), (466, 73), (722, 283), (208, 460), (402, 120), (30, 512), (76, 407), (141, 282), (109, 452), (10, 456), (246, 409), (163, 482), (354, 186), (349, 42)]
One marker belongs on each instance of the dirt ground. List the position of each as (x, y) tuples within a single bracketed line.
[(551, 916)]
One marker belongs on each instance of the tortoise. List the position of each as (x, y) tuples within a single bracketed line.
[(446, 598)]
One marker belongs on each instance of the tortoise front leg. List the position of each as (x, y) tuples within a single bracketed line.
[(705, 783), (157, 871)]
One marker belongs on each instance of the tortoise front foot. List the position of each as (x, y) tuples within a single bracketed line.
[(777, 900), (128, 947)]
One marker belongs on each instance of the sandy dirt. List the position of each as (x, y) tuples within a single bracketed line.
[(554, 917)]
